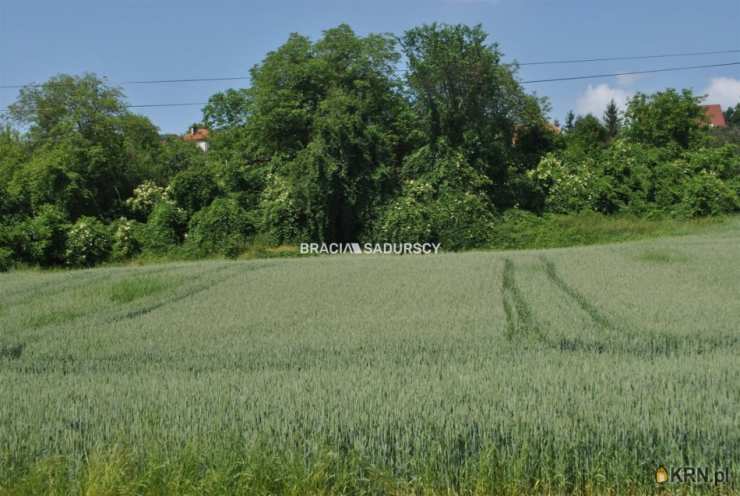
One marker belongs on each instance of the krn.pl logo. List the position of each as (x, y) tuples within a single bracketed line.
[(661, 475)]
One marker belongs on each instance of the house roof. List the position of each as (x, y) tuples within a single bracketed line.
[(197, 134), (715, 115)]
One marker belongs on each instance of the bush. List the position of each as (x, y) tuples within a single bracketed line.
[(706, 194), (88, 243), (221, 228), (39, 240), (193, 189), (145, 198), (165, 228), (569, 182), (126, 244), (278, 217), (456, 219), (624, 178), (48, 236)]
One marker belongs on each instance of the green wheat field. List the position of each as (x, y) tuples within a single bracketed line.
[(562, 371)]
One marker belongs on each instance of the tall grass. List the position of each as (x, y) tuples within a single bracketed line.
[(568, 371)]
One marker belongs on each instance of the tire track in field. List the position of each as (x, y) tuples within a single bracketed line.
[(520, 322), (190, 291), (596, 315), (70, 282), (51, 288), (8, 350), (628, 339)]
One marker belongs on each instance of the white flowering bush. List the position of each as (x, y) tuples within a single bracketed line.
[(145, 197), (125, 241), (569, 185), (88, 243)]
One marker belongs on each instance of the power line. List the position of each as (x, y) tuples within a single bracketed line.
[(632, 57), (154, 105), (151, 81), (533, 81), (630, 73), (545, 62), (149, 105)]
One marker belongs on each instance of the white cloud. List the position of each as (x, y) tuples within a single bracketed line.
[(596, 98), (724, 90)]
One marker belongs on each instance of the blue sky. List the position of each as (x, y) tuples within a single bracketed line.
[(167, 39)]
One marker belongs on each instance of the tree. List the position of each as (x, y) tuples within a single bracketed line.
[(227, 109), (466, 96), (732, 116), (612, 120), (89, 152), (330, 118), (588, 133), (666, 117), (570, 120), (85, 105)]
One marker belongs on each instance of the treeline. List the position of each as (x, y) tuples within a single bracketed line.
[(424, 138)]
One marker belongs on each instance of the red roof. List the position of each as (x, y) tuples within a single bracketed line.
[(715, 115), (199, 134)]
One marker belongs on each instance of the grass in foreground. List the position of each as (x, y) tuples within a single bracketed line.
[(565, 371)]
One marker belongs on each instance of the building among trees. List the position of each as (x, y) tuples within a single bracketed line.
[(715, 115), (199, 136)]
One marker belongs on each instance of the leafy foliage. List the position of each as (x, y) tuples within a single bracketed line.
[(220, 228), (165, 228), (331, 143), (88, 243)]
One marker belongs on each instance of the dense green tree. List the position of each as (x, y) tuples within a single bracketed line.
[(732, 116), (193, 189), (588, 133), (222, 227), (89, 151), (612, 119), (570, 121), (13, 154), (228, 109), (666, 118), (330, 118), (443, 200), (465, 95), (175, 156)]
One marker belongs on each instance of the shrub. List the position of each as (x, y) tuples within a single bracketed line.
[(125, 241), (47, 236), (193, 189), (706, 194), (278, 218), (145, 198), (165, 228), (569, 183), (221, 228), (88, 243), (443, 201), (456, 219), (624, 178), (39, 240), (516, 229)]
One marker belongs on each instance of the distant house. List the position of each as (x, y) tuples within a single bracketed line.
[(199, 136), (715, 116)]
